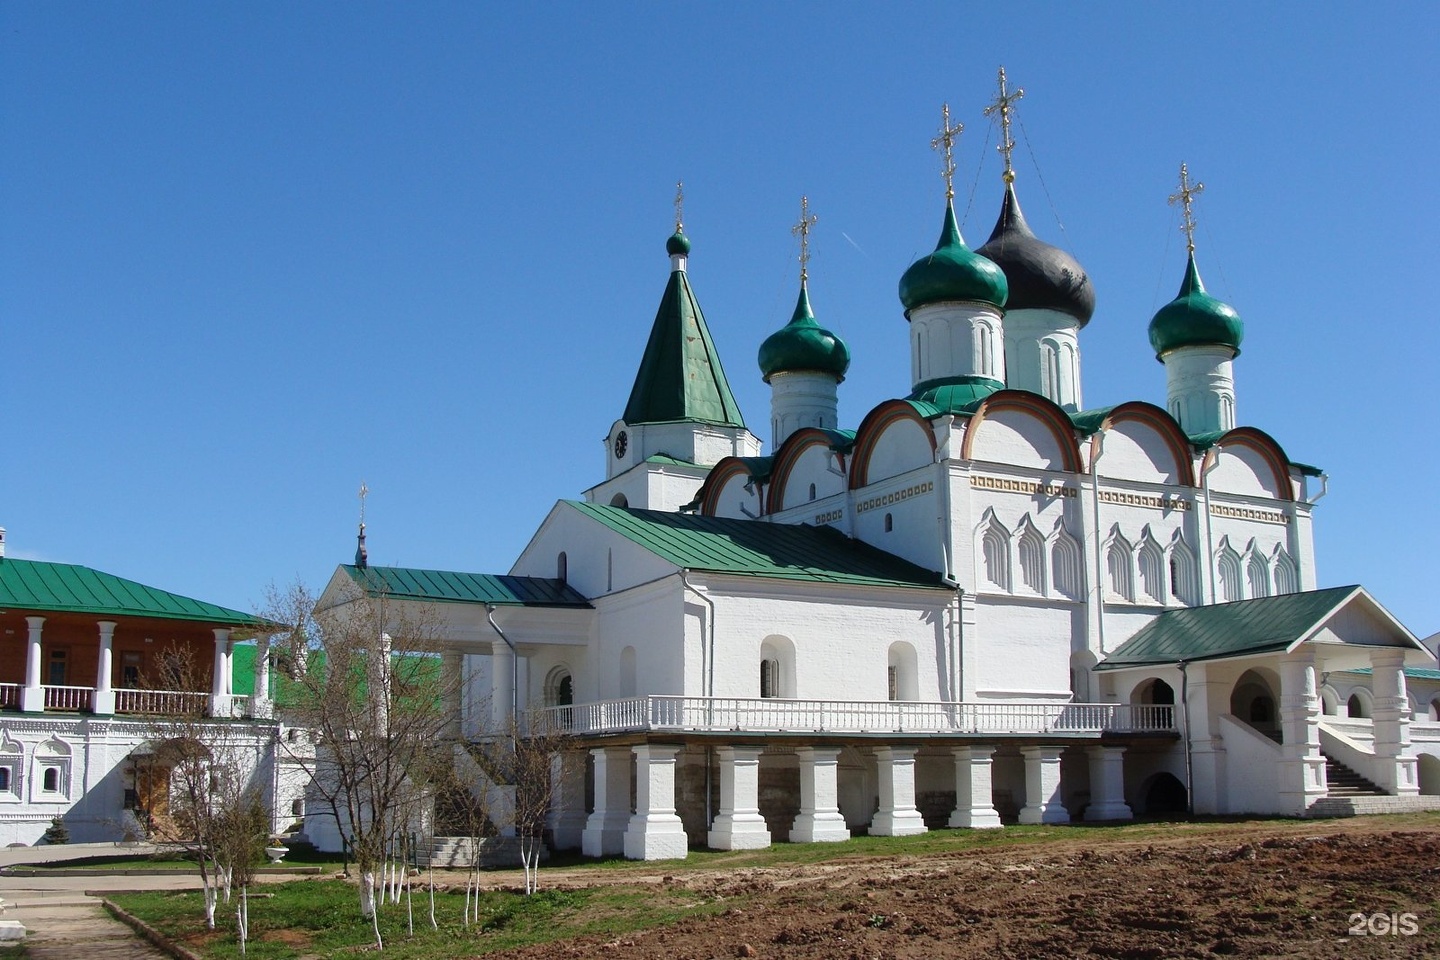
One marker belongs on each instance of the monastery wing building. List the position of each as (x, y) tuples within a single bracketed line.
[(985, 603)]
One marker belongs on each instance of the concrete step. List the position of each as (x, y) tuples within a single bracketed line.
[(1367, 805)]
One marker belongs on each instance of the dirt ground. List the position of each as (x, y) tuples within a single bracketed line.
[(1353, 888)]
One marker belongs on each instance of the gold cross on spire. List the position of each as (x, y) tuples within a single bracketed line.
[(1002, 103), (364, 491), (802, 230), (1186, 197), (679, 206), (945, 140)]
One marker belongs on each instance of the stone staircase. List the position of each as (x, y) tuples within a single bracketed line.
[(458, 853), (1351, 795)]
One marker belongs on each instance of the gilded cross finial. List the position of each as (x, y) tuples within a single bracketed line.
[(1186, 197), (945, 140), (802, 230), (679, 206), (1001, 104), (364, 491)]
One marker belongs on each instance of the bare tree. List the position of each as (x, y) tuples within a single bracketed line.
[(364, 681), (534, 757), (196, 781)]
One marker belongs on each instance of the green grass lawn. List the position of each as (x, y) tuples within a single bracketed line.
[(322, 917)]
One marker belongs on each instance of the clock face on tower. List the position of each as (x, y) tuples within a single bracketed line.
[(622, 442)]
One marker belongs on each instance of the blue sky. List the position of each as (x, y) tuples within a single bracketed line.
[(255, 253)]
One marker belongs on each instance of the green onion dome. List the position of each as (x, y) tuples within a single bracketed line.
[(678, 245), (952, 272), (1194, 318), (802, 344), (1041, 277)]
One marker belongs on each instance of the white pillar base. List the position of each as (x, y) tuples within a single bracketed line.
[(655, 832), (819, 820), (739, 825), (1043, 798), (604, 831), (1107, 785), (32, 699), (102, 702), (897, 816), (974, 791)]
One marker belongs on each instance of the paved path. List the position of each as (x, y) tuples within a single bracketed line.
[(62, 921)]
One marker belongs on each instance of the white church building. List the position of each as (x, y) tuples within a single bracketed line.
[(985, 603)]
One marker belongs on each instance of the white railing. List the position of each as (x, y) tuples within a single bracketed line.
[(239, 706), (718, 714), (164, 702), (68, 699), (9, 696)]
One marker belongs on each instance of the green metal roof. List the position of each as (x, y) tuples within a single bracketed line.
[(680, 377), (952, 272), (760, 549), (802, 344), (1194, 318), (1413, 673), (35, 585), (1263, 625), (1088, 421), (955, 395), (444, 586), (665, 459)]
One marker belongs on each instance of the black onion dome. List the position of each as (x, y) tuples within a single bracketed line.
[(1041, 277)]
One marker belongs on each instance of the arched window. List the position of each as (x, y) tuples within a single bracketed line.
[(1117, 570), (1227, 566), (1065, 565), (560, 694), (1049, 370), (777, 667), (1287, 578), (562, 568), (1032, 560), (1150, 561), (627, 672), (995, 552), (903, 672), (1434, 711), (619, 500), (889, 523), (1257, 576), (812, 491), (1182, 573), (51, 781), (983, 360), (1358, 706)]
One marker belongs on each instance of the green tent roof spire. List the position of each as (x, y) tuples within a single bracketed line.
[(680, 376)]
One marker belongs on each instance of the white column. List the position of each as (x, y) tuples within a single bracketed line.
[(103, 702), (974, 789), (502, 685), (260, 706), (452, 670), (1107, 785), (220, 675), (604, 832), (739, 825), (1302, 768), (1207, 749), (1043, 798), (897, 816), (567, 808), (820, 820), (1391, 718), (655, 832), (32, 697)]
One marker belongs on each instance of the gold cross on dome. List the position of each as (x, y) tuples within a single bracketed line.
[(1186, 197), (1002, 104), (802, 230), (679, 206), (945, 140)]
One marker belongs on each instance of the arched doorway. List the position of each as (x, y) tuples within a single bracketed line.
[(1253, 702), (1163, 793)]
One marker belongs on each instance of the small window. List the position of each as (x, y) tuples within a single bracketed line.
[(297, 808), (50, 780), (812, 491), (562, 568), (56, 675), (769, 678), (5, 780), (130, 670), (893, 680), (889, 523)]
